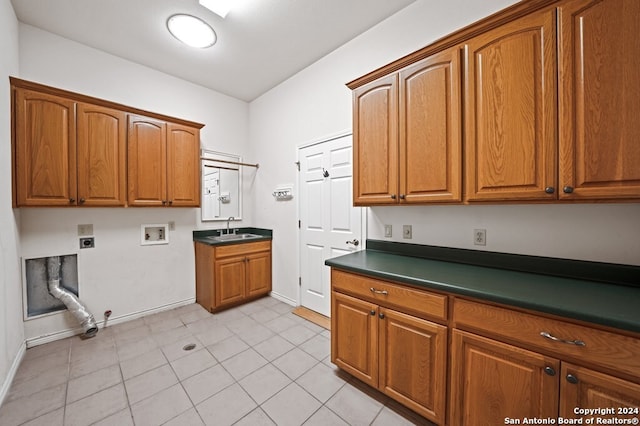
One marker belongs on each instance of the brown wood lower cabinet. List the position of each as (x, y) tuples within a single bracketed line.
[(494, 379), (400, 354), (581, 387), (463, 362), (232, 274)]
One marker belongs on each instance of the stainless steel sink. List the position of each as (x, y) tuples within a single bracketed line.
[(234, 237)]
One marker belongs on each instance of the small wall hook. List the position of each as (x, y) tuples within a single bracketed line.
[(325, 173)]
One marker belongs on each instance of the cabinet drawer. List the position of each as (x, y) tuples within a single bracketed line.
[(405, 299), (242, 248), (605, 349)]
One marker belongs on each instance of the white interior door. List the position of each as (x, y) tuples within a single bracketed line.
[(330, 225)]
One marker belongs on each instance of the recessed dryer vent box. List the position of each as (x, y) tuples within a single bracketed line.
[(154, 234)]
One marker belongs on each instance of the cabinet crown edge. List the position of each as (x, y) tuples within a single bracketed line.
[(78, 97), (510, 13)]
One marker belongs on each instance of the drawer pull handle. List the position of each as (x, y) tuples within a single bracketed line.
[(373, 290), (557, 339)]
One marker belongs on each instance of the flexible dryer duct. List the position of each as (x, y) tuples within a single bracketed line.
[(77, 309)]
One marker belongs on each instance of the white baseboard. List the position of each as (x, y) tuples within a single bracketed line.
[(284, 299), (11, 374), (51, 337)]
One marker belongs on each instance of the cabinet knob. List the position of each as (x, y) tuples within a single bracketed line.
[(82, 200), (549, 371), (402, 196), (381, 315), (572, 379), (567, 189), (72, 200), (373, 312), (164, 202), (549, 190), (170, 202), (393, 196)]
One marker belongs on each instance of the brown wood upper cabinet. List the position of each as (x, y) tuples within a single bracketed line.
[(510, 111), (163, 163), (407, 134), (513, 152), (72, 150), (599, 99), (45, 150), (67, 153), (551, 90), (102, 134)]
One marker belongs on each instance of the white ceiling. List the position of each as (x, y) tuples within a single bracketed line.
[(260, 43)]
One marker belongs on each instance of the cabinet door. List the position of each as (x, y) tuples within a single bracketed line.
[(413, 364), (511, 111), (584, 388), (45, 150), (492, 381), (375, 142), (258, 274), (599, 99), (101, 156), (430, 130), (230, 278), (354, 337), (183, 166), (147, 162)]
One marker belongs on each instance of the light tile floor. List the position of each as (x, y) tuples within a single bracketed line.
[(257, 364)]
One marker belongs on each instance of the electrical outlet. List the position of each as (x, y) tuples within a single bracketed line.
[(480, 237), (388, 231), (406, 232)]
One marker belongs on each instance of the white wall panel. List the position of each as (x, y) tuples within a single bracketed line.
[(315, 103), (119, 274), (11, 329)]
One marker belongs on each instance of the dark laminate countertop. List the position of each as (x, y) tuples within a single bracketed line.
[(609, 304)]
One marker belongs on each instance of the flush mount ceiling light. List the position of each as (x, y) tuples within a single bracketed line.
[(219, 7), (191, 31)]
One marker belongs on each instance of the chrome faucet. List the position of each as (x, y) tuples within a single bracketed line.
[(230, 218)]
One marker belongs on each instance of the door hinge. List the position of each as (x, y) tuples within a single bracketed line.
[(297, 163), (300, 281), (299, 224)]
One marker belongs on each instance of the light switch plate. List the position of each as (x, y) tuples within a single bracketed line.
[(85, 230), (407, 233)]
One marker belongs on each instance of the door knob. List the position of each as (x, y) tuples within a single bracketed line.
[(355, 242)]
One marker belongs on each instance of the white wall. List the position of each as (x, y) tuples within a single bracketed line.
[(11, 330), (119, 274), (316, 103)]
